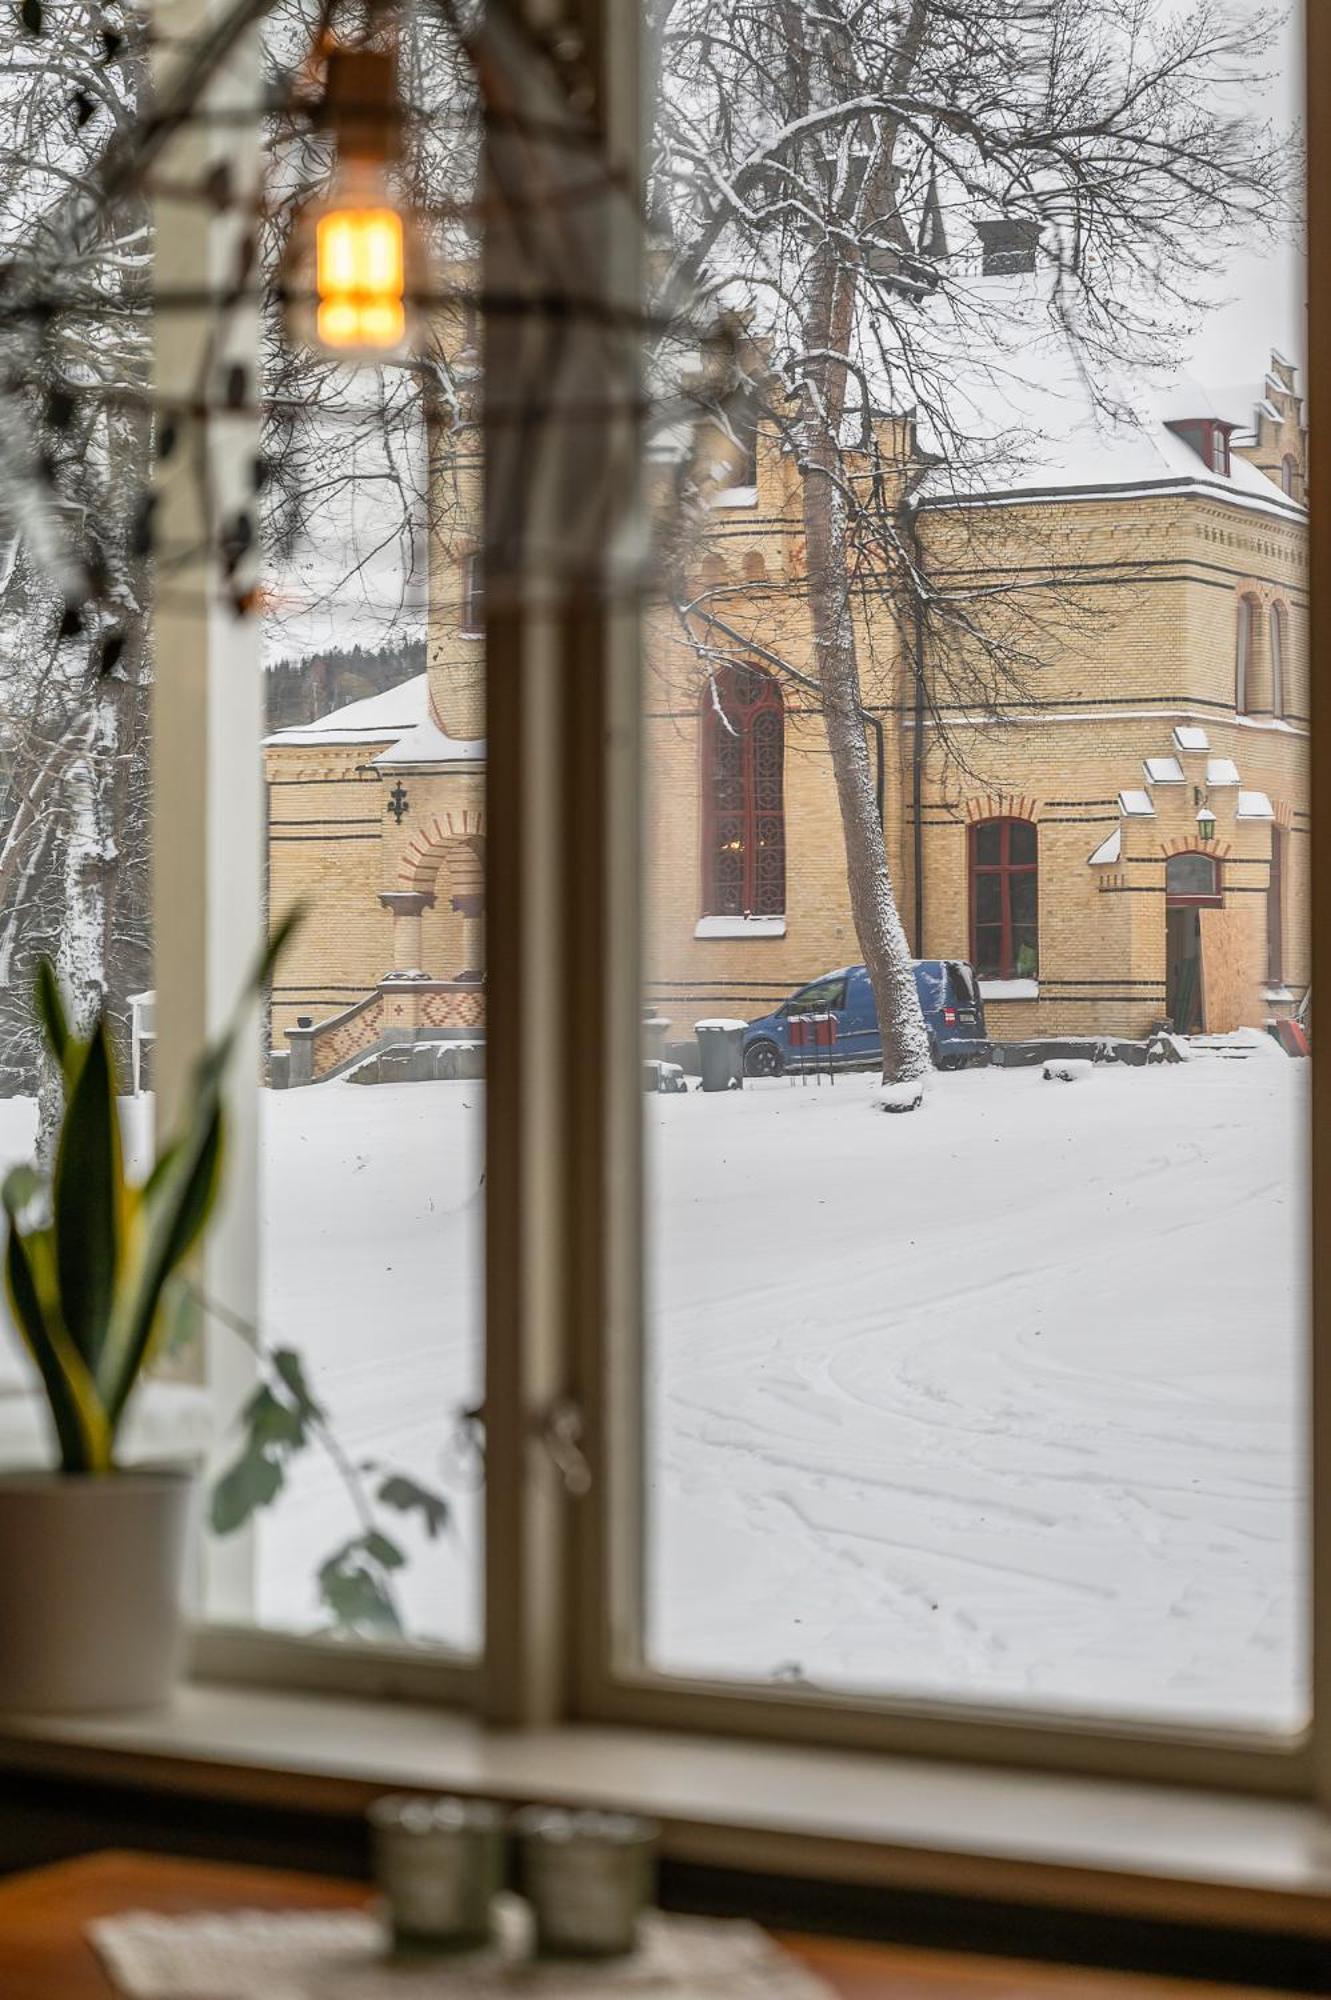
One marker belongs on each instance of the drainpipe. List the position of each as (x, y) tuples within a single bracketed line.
[(771, 659), (910, 519)]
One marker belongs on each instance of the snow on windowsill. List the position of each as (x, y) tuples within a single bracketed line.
[(1276, 993), (735, 496), (1009, 989), (739, 927)]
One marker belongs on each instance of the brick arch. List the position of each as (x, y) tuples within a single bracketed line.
[(1001, 805), (1190, 844), (451, 844)]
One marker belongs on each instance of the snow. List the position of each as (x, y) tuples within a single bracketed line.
[(389, 714), (1002, 1401), (1137, 805), (1221, 771), (703, 1026), (907, 1095), (1254, 805), (1163, 771), (1010, 989), (1109, 850), (1190, 738), (1075, 1070)]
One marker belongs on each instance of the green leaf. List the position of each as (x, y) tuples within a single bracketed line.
[(21, 1186), (83, 1433), (270, 1421), (383, 1551), (407, 1497), (291, 1368), (180, 1206), (355, 1594), (87, 1190), (50, 1008), (254, 1481)]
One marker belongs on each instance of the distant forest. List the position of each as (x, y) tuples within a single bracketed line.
[(299, 691)]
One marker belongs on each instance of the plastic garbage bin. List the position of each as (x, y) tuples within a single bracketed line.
[(721, 1054)]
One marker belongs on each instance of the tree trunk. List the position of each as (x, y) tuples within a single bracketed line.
[(878, 925)]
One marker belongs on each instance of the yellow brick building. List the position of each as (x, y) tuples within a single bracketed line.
[(1105, 808)]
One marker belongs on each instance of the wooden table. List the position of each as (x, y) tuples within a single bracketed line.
[(44, 1955)]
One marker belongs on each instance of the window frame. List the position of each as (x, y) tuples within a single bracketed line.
[(721, 717), (1246, 641), (1196, 899), (564, 1168), (1004, 869)]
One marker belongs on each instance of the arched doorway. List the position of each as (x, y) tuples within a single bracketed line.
[(1192, 884)]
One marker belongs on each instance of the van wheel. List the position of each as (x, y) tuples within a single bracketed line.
[(763, 1059)]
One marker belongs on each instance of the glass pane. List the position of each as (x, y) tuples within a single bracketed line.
[(371, 1169), (1000, 1400), (1021, 841)]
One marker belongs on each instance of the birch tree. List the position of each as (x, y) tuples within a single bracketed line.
[(812, 158)]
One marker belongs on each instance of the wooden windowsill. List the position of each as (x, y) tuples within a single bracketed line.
[(1088, 1844)]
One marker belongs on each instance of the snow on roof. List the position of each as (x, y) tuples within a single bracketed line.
[(399, 719), (427, 744), (1255, 805), (1109, 850), (1037, 428), (1137, 805), (372, 720), (1188, 737), (1221, 771), (1163, 771)]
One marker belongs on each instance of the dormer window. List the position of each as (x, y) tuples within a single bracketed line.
[(1008, 246), (1209, 438)]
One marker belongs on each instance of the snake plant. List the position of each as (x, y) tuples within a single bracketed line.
[(94, 1264)]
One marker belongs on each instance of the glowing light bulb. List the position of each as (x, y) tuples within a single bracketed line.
[(360, 277)]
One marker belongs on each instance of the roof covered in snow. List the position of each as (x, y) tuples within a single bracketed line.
[(399, 719)]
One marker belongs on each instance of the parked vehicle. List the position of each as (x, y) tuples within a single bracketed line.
[(949, 995)]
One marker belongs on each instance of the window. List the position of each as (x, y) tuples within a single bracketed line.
[(471, 612), (1246, 664), (1209, 439), (1192, 881), (1289, 474), (1005, 923), (1008, 246), (1275, 909), (744, 821), (1276, 640)]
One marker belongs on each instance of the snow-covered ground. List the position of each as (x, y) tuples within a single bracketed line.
[(1001, 1400)]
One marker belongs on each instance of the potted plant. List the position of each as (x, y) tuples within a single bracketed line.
[(91, 1554)]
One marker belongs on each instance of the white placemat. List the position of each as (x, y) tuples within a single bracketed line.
[(343, 1955)]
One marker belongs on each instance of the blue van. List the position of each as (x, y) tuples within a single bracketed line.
[(949, 995)]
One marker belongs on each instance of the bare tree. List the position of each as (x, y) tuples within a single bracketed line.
[(812, 159)]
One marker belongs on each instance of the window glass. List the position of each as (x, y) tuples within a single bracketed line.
[(961, 1384), (357, 1515)]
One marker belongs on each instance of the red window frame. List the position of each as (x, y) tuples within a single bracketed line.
[(1007, 870), (743, 794)]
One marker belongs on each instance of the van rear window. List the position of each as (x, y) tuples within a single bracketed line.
[(962, 982)]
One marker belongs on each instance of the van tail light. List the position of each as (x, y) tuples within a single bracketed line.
[(949, 1017)]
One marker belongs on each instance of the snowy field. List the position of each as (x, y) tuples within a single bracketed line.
[(998, 1401)]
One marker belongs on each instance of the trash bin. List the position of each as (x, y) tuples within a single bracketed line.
[(721, 1054)]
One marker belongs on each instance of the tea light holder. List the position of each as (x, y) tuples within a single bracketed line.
[(588, 1877), (440, 1865)]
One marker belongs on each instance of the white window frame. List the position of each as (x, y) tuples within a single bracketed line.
[(564, 1172)]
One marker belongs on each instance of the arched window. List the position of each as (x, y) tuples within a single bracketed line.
[(743, 794), (1276, 631), (1246, 690), (1005, 912), (1289, 473), (1192, 881)]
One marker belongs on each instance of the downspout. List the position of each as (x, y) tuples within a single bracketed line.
[(772, 659)]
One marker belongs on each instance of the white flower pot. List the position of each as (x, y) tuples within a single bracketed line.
[(91, 1581)]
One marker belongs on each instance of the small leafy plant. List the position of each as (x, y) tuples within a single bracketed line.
[(94, 1265)]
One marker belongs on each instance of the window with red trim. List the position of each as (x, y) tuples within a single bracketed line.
[(743, 791), (1005, 913), (1192, 881)]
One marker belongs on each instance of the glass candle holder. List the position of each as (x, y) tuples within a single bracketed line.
[(439, 1864), (588, 1877)]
